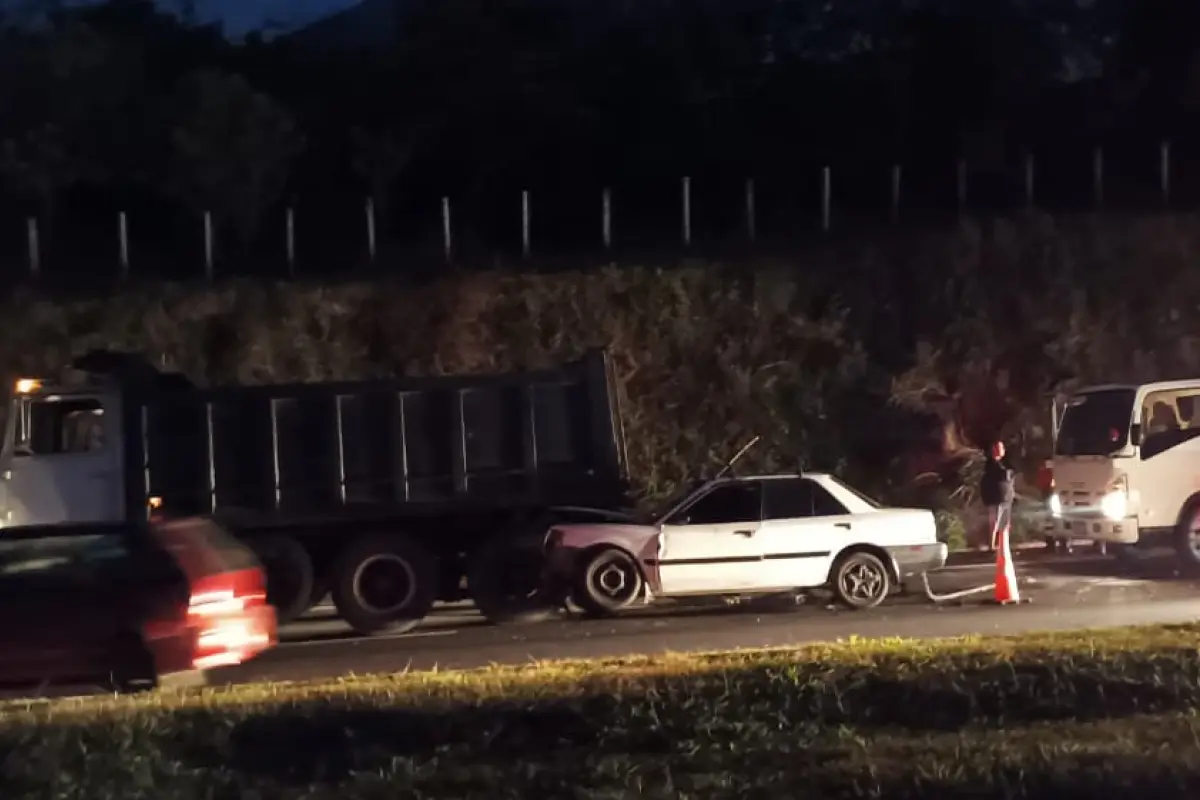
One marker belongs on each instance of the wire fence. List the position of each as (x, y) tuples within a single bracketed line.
[(416, 232)]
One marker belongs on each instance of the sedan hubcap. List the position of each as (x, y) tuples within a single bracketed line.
[(862, 581), (615, 582)]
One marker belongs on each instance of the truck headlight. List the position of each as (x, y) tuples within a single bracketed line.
[(1055, 503), (1115, 504)]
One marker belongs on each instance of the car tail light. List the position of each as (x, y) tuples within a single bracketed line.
[(223, 602), (555, 538), (231, 623)]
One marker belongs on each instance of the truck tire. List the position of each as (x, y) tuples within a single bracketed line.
[(1187, 537), (290, 575), (384, 583), (504, 583), (608, 582)]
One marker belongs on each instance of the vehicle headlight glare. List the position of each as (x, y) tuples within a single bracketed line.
[(1055, 504), (1114, 504)]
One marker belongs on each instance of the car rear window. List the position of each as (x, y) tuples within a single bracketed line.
[(205, 547)]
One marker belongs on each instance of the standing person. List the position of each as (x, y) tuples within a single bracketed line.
[(996, 491)]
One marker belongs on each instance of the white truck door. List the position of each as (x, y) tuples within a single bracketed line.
[(66, 466)]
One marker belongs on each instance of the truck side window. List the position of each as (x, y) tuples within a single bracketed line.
[(65, 426), (1168, 420)]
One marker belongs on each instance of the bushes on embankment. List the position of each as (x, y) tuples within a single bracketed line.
[(827, 352)]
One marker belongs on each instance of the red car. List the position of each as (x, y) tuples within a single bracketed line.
[(127, 607)]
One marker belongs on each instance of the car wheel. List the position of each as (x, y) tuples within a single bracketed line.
[(384, 583), (860, 580), (133, 669), (608, 582)]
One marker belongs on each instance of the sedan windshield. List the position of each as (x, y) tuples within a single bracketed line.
[(664, 508), (1095, 423)]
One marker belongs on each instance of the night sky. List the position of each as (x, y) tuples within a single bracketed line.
[(240, 16)]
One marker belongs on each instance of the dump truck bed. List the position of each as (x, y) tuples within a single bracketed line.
[(410, 445)]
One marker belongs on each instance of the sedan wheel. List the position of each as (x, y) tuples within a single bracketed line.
[(860, 580), (609, 582)]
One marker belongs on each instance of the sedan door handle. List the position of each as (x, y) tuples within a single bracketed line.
[(743, 533), (845, 525)]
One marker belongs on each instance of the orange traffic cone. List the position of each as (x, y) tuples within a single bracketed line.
[(1006, 575)]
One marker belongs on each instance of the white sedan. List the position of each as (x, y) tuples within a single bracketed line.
[(746, 536)]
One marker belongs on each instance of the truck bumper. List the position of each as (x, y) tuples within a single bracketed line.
[(1099, 529), (914, 559)]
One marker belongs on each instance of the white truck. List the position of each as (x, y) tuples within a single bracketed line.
[(1126, 468)]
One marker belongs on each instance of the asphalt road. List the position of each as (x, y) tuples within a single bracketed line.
[(1066, 592)]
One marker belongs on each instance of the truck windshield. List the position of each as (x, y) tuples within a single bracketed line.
[(61, 425), (1096, 423)]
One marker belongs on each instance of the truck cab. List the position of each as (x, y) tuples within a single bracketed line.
[(62, 460), (1126, 466)]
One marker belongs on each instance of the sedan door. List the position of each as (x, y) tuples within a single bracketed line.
[(804, 527), (711, 545)]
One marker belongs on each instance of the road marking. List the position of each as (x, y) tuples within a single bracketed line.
[(356, 640)]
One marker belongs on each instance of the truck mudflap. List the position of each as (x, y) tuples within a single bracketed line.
[(1121, 531)]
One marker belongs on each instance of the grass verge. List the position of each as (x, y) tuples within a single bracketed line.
[(1110, 713)]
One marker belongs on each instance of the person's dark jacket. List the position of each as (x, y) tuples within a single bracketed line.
[(996, 487)]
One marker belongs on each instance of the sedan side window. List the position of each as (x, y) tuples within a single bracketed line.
[(787, 498), (734, 502), (825, 504), (800, 498)]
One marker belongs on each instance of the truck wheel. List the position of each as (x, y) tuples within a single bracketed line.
[(608, 583), (290, 575), (384, 583), (860, 580), (504, 582), (1187, 537)]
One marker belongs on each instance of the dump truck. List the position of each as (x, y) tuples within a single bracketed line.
[(388, 495)]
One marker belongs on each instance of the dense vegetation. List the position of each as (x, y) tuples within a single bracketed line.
[(1102, 713), (828, 354)]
